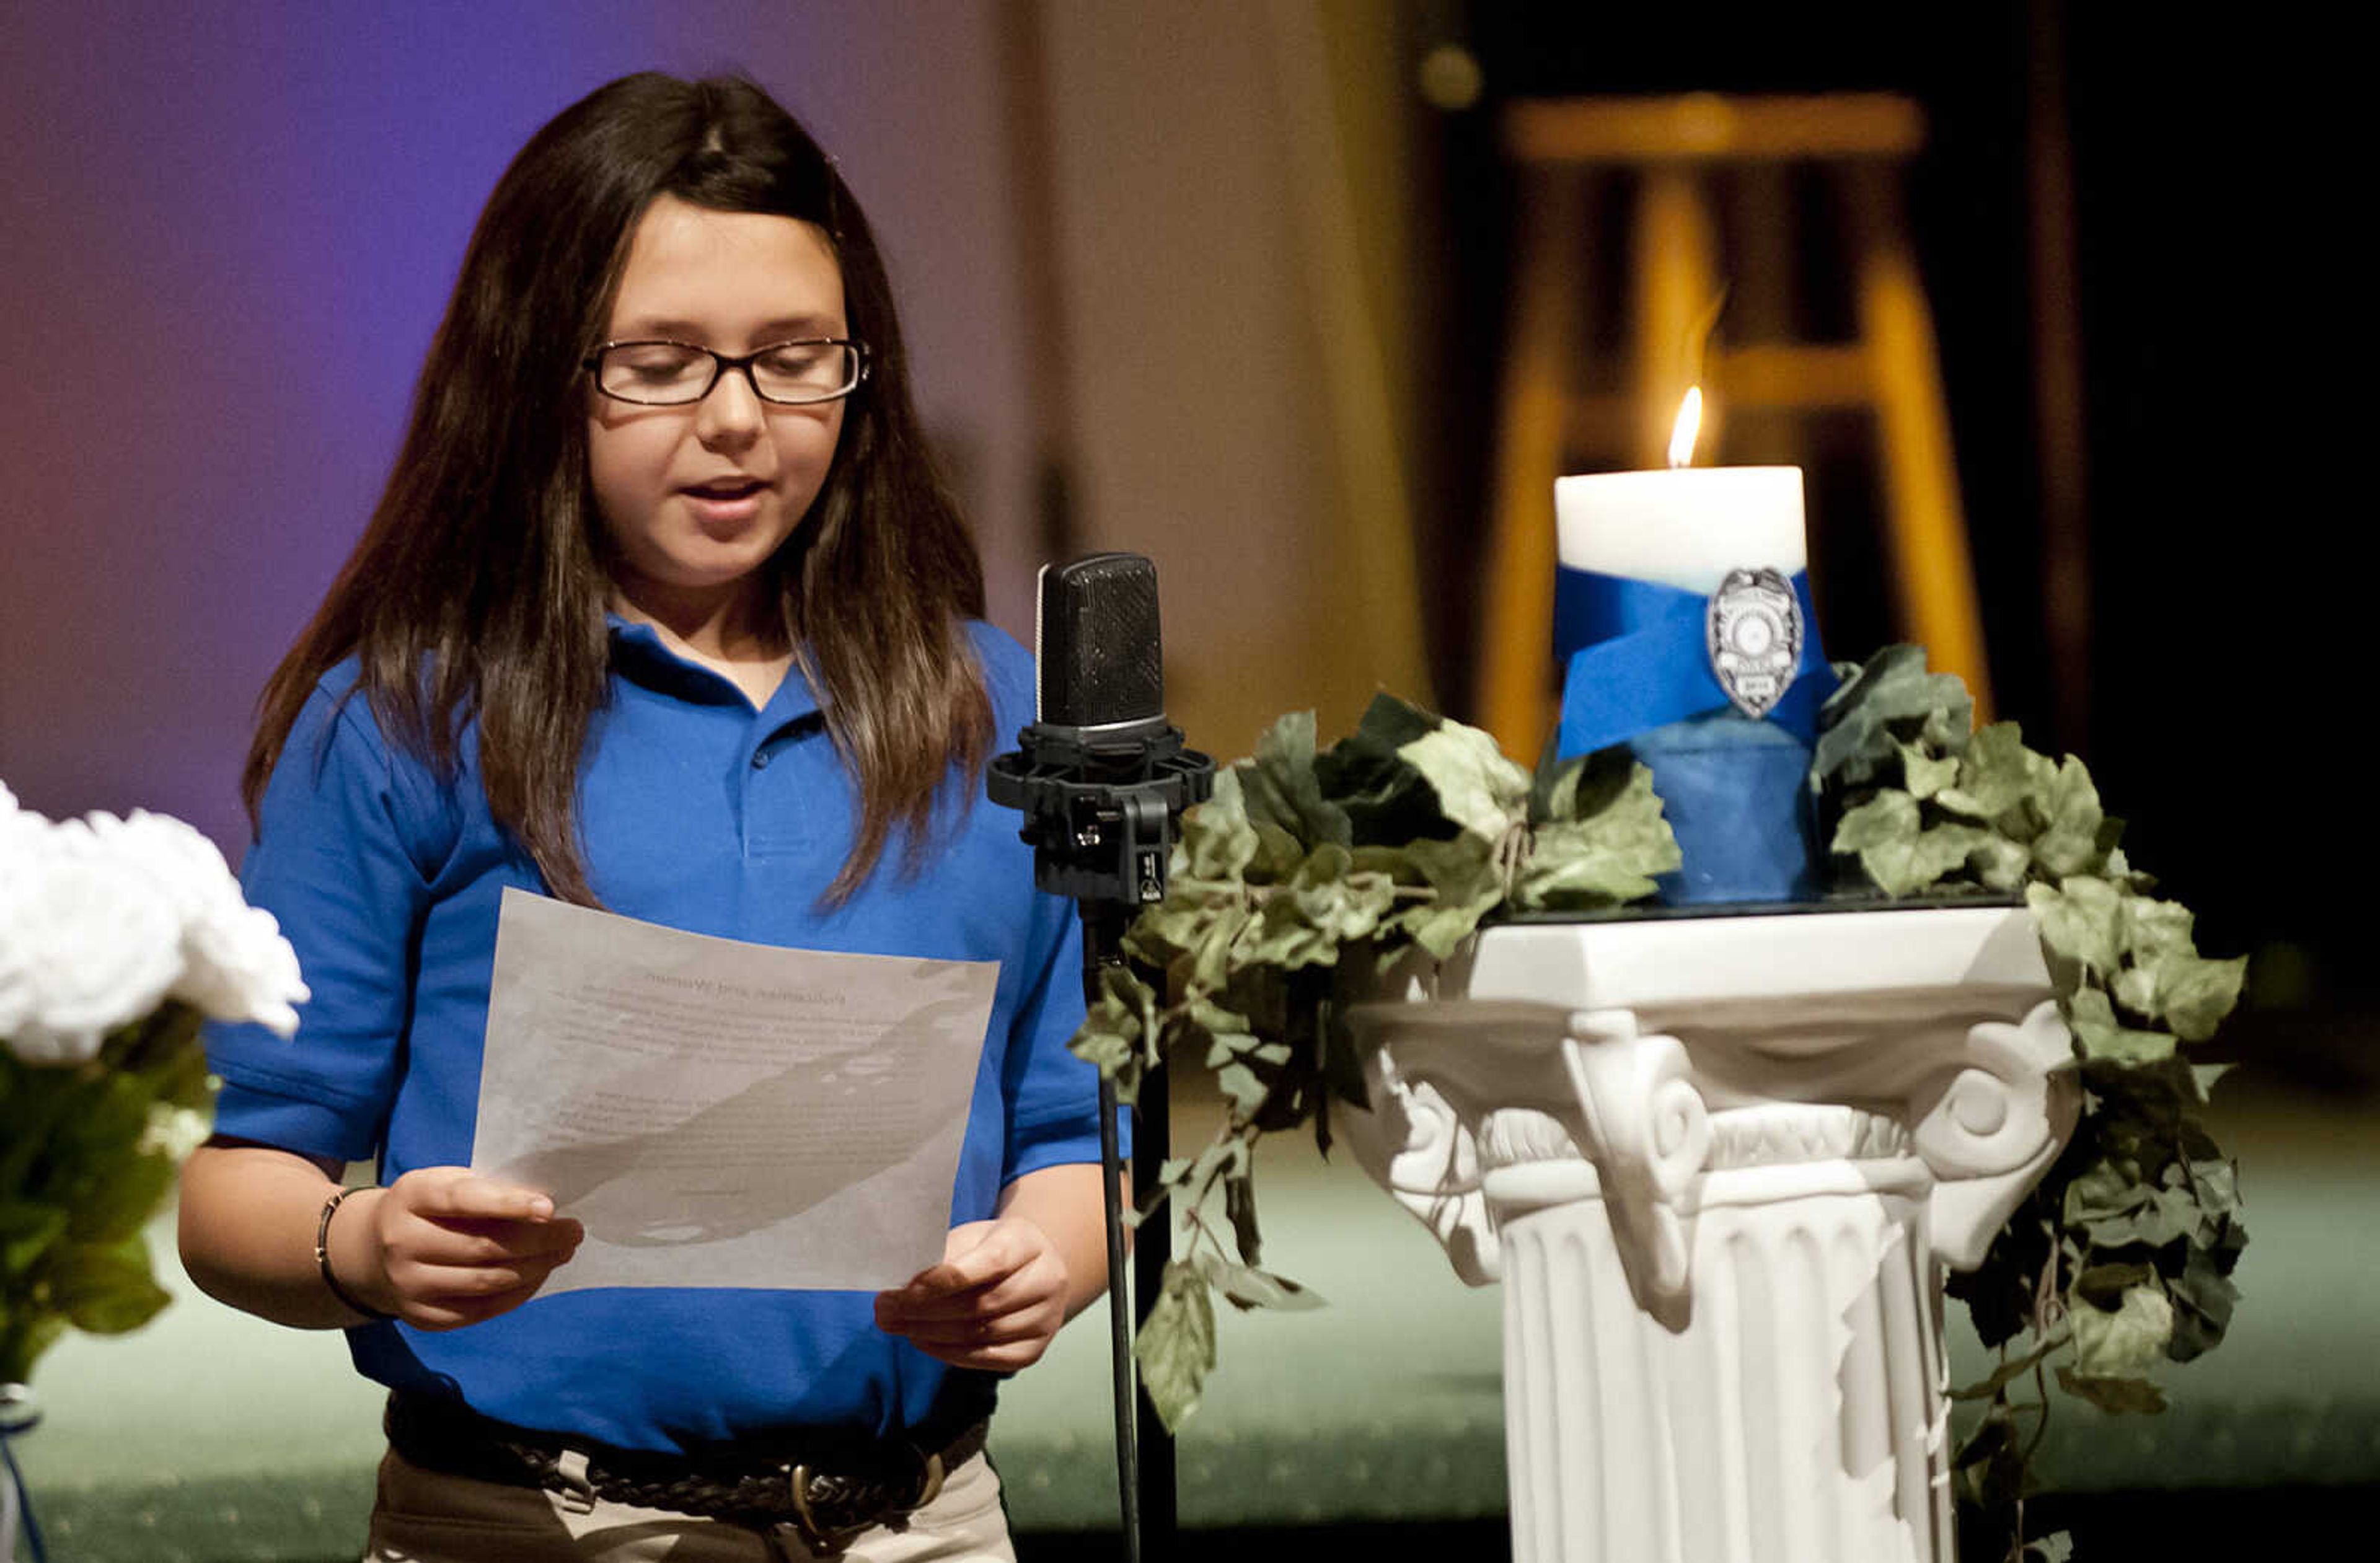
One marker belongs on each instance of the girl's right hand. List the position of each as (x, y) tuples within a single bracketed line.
[(442, 1247)]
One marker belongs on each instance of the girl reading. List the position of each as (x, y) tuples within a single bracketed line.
[(663, 611)]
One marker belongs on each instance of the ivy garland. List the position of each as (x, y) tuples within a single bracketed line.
[(1310, 869), (2121, 1258)]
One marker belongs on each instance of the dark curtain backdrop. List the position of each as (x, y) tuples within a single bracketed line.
[(2215, 183)]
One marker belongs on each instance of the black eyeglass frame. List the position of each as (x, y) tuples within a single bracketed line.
[(723, 362)]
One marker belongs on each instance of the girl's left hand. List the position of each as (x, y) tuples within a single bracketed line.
[(995, 1302)]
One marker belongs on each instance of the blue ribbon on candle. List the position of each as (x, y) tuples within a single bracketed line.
[(1640, 659), (1735, 790)]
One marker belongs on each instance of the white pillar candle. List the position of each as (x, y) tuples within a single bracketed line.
[(1685, 527)]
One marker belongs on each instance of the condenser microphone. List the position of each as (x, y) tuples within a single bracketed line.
[(1098, 648), (1100, 774)]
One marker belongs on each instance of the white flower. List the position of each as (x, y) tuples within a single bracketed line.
[(17, 833), (237, 965), (103, 919), (20, 831), (89, 944)]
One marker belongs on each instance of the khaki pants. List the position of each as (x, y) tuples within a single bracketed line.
[(429, 1516)]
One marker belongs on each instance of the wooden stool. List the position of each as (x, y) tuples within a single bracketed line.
[(1551, 413)]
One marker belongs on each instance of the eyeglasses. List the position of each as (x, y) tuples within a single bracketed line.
[(671, 374)]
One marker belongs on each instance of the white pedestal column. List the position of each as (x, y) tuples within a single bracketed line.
[(1717, 1164)]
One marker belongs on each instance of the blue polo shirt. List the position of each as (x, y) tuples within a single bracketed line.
[(700, 813)]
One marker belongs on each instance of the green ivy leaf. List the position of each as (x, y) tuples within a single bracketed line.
[(2112, 1395), (2163, 1216), (1605, 859), (1943, 849), (1553, 786), (2092, 1020), (1218, 843), (1119, 1031), (1324, 905), (2104, 1285), (1336, 898), (1281, 790), (2203, 1297), (1989, 1464), (2135, 989), (1240, 1206), (2101, 1191), (1996, 774), (2001, 865), (1897, 849), (2127, 1343), (1225, 1158), (1179, 924), (1207, 966), (1098, 1045), (2218, 1184), (2071, 840), (2118, 1211), (1890, 819), (1242, 1088), (2000, 1294), (1224, 1032), (2120, 868), (1477, 788), (1246, 1287), (1858, 744), (2192, 994), (1176, 1348), (2154, 929), (1278, 853), (1464, 884), (1947, 731), (1923, 775), (1585, 786), (2078, 919), (1389, 724), (1385, 797)]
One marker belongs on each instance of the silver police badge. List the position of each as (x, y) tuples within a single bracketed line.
[(1754, 635)]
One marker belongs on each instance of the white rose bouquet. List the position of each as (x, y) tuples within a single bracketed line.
[(116, 938)]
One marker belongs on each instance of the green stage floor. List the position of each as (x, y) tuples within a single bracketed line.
[(209, 1437)]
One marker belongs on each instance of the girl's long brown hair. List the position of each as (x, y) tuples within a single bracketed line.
[(478, 592)]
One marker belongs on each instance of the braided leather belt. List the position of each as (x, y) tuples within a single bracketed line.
[(830, 1487)]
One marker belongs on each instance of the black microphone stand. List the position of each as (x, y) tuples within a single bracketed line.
[(1099, 807)]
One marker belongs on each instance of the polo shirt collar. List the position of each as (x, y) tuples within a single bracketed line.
[(639, 654)]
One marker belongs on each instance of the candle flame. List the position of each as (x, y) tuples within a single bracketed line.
[(1689, 425)]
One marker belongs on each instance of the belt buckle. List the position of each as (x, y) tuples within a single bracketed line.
[(823, 1537), (930, 1487)]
